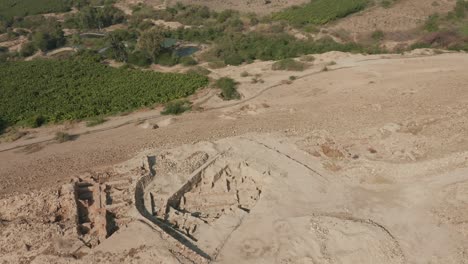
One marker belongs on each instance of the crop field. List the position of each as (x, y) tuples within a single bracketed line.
[(320, 11), (12, 8), (65, 90)]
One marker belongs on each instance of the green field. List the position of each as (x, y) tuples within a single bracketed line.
[(12, 8), (319, 12), (65, 90)]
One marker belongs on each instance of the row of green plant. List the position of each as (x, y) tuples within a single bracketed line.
[(319, 12), (20, 8), (40, 91)]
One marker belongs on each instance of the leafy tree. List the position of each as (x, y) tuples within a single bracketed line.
[(3, 125), (176, 107), (49, 36), (150, 42), (117, 47), (95, 17)]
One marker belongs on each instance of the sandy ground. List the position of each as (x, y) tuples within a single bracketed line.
[(126, 5), (364, 163), (14, 45)]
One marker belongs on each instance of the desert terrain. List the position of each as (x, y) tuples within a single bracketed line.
[(357, 159)]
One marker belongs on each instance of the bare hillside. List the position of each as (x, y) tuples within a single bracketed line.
[(402, 16)]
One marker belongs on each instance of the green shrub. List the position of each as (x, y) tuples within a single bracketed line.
[(216, 64), (377, 35), (167, 59), (176, 107), (311, 29), (307, 58), (88, 55), (432, 23), (386, 3), (257, 79), (228, 88), (464, 30), (420, 45), (199, 70), (460, 8), (244, 74), (233, 59), (139, 58), (288, 65), (33, 121), (188, 61)]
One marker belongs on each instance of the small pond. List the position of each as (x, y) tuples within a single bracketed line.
[(186, 51)]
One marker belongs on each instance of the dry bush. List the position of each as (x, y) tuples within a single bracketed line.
[(445, 39), (288, 65), (63, 137)]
